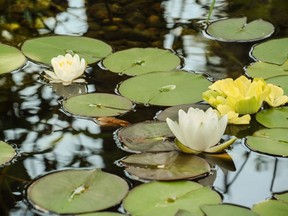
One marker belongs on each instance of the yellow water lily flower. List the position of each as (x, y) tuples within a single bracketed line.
[(241, 97), (276, 96), (66, 69), (198, 131)]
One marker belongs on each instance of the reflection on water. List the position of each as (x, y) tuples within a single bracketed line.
[(48, 139)]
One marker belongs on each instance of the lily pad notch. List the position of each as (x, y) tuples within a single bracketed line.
[(238, 30)]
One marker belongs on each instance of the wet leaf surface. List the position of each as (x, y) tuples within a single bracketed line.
[(76, 191), (146, 137), (167, 198), (237, 30), (166, 166)]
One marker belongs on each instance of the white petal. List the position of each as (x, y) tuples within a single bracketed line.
[(51, 74), (174, 127)]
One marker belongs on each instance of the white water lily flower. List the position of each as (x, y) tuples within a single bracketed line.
[(198, 131), (67, 69)]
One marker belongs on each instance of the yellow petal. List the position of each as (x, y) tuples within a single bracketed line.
[(221, 147), (276, 96)]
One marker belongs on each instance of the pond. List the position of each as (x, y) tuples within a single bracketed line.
[(48, 138)]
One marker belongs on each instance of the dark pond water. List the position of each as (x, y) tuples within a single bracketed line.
[(48, 139)]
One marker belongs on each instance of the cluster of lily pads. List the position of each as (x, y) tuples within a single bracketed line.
[(157, 79)]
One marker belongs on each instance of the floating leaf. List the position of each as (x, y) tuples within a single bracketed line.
[(166, 166), (271, 207), (10, 58), (147, 88), (281, 81), (97, 105), (7, 153), (266, 70), (272, 51), (271, 141), (273, 118), (102, 214), (172, 112), (167, 198), (43, 49), (146, 137), (76, 191), (226, 210), (237, 30), (136, 61), (282, 197), (111, 122)]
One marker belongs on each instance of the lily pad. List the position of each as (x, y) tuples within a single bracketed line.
[(10, 58), (102, 214), (266, 70), (270, 141), (172, 112), (146, 137), (271, 207), (136, 61), (43, 49), (281, 81), (76, 191), (282, 197), (226, 210), (167, 198), (238, 30), (166, 166), (272, 51), (273, 118), (97, 104), (7, 153), (167, 88)]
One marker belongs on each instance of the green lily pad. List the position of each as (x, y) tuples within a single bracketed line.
[(226, 210), (282, 197), (266, 70), (97, 105), (43, 49), (76, 191), (271, 207), (272, 51), (136, 61), (167, 198), (270, 141), (166, 166), (273, 118), (7, 153), (172, 112), (102, 214), (281, 81), (146, 137), (238, 30), (167, 88), (10, 58)]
